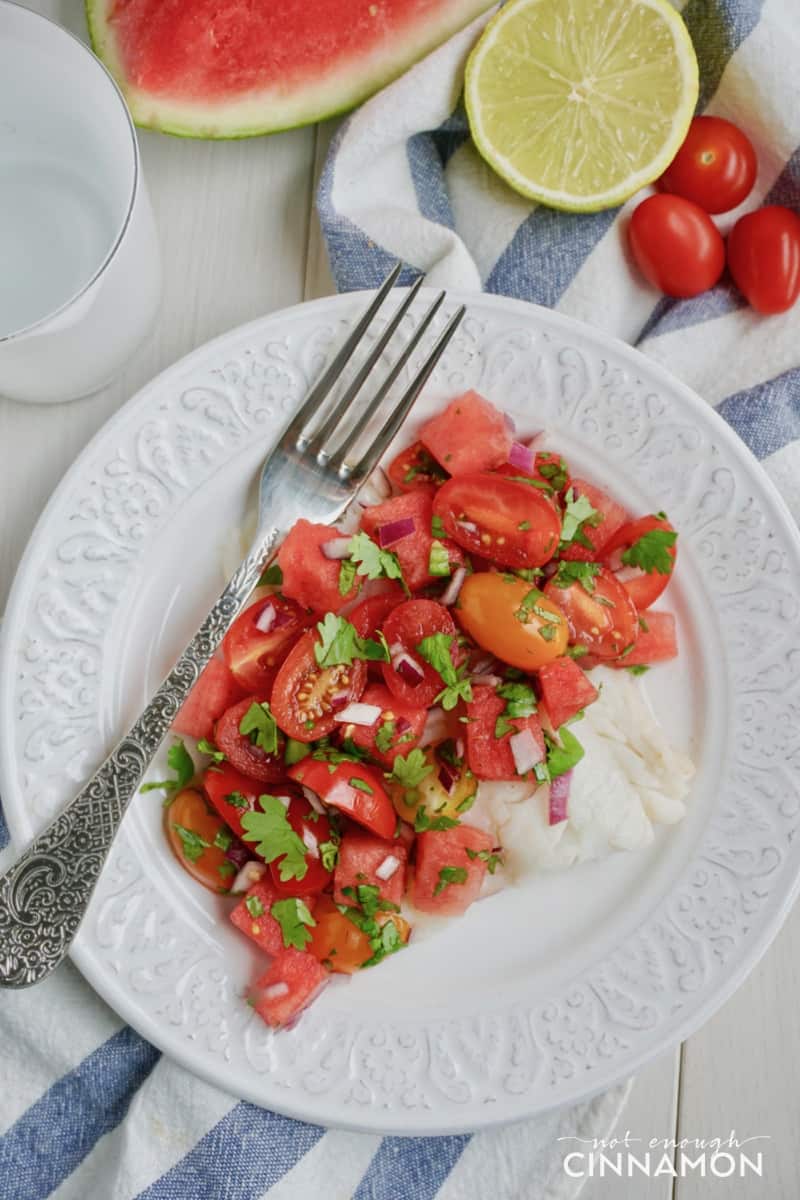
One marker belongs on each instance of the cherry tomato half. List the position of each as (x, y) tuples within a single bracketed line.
[(305, 696), (352, 787), (676, 245), (231, 793), (643, 587), (715, 167), (336, 941), (511, 523), (314, 829), (241, 751), (254, 654), (605, 620), (198, 837), (415, 467), (512, 619), (404, 629), (764, 257)]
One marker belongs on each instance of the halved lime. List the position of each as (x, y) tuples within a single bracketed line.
[(578, 103)]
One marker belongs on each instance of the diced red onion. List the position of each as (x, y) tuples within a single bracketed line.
[(487, 680), (312, 798), (336, 548), (266, 618), (388, 867), (359, 714), (448, 777), (559, 796), (311, 843), (408, 669), (339, 699), (550, 569), (521, 457), (625, 574), (450, 594), (526, 751), (238, 853), (283, 617), (435, 727), (276, 990), (250, 873), (393, 531), (401, 725)]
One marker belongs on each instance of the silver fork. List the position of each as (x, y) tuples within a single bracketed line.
[(44, 895)]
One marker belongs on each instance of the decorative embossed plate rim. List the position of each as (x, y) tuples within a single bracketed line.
[(428, 1072)]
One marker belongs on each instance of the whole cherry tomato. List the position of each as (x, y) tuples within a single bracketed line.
[(764, 257), (677, 246), (715, 167)]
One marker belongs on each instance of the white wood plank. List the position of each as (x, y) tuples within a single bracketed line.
[(740, 1073)]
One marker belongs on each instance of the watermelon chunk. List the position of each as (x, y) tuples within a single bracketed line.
[(613, 516), (445, 850), (565, 690), (215, 690), (207, 68), (361, 856), (657, 643), (293, 980), (414, 550), (400, 725), (490, 757), (252, 916), (470, 435), (308, 576)]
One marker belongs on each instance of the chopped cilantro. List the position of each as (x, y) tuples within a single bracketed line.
[(348, 752), (446, 751), (276, 838), (553, 469), (339, 644), (236, 800), (466, 804), (490, 857), (424, 463), (207, 747), (223, 839), (435, 649), (448, 876), (578, 515), (180, 760), (329, 854), (294, 918), (624, 653), (645, 628), (638, 669), (295, 752), (384, 736), (347, 575), (423, 823), (531, 482), (520, 701), (254, 907), (438, 559), (651, 553), (577, 572), (529, 574), (259, 725), (226, 869), (366, 914), (562, 758), (373, 562), (193, 845), (437, 528), (272, 577), (361, 785), (524, 526), (409, 771), (576, 651)]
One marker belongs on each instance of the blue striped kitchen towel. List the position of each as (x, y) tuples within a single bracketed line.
[(88, 1109)]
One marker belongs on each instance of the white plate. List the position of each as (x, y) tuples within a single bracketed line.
[(541, 995)]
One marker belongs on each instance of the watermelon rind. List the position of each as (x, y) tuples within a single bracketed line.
[(275, 109)]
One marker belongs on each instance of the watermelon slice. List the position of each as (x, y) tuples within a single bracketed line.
[(220, 68)]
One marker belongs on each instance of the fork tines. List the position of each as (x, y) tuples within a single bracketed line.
[(321, 443)]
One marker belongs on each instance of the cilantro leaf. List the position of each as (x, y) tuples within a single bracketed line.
[(207, 747), (272, 577), (435, 649), (191, 843), (423, 823), (236, 800), (576, 651), (339, 644), (491, 857), (651, 552), (367, 913), (562, 758), (384, 736), (255, 907), (448, 876), (259, 725), (180, 760), (226, 869), (531, 482), (329, 854), (294, 918), (577, 572), (348, 752), (409, 771), (271, 829), (578, 515), (437, 527), (295, 752), (553, 469), (532, 603), (520, 701), (638, 669), (223, 839), (347, 576), (438, 559), (373, 562)]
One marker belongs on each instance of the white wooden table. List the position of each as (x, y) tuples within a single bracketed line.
[(239, 239)]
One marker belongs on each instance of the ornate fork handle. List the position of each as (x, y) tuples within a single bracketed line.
[(44, 895)]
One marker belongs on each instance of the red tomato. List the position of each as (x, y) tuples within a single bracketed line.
[(676, 245), (414, 549), (231, 793), (368, 616), (336, 941), (308, 575), (490, 757), (415, 467), (300, 976), (361, 856), (400, 725), (351, 787), (438, 850), (643, 587), (241, 752), (197, 836), (764, 258), (715, 167), (605, 621), (303, 692), (215, 690), (566, 690), (314, 829), (404, 629), (510, 523), (254, 655), (656, 643), (469, 435)]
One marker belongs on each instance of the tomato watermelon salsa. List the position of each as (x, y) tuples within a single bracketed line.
[(378, 677)]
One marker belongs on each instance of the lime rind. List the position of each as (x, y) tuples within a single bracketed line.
[(561, 90)]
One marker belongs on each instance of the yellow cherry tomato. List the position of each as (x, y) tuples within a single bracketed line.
[(512, 619), (431, 794)]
